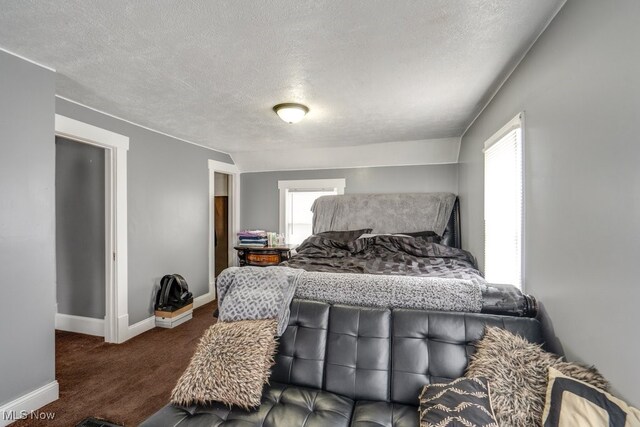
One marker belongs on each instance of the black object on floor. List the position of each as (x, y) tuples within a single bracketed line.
[(95, 422)]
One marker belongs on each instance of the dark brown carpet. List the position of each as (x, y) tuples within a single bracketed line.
[(122, 383)]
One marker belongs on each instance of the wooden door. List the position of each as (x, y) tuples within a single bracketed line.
[(221, 204)]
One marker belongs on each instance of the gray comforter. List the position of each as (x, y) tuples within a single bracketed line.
[(390, 255), (407, 256)]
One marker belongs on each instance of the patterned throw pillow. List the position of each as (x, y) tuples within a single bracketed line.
[(231, 365), (576, 403), (517, 371), (463, 402)]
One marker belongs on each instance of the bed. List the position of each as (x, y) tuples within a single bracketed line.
[(395, 240)]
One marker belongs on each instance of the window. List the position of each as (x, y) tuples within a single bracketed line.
[(503, 204), (296, 198)]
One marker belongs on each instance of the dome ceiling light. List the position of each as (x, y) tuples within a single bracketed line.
[(291, 112)]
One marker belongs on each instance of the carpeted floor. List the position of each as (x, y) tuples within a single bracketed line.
[(123, 383)]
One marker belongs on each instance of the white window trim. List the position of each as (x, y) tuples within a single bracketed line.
[(517, 121), (305, 184)]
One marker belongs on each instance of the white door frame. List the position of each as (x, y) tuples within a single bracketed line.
[(234, 216), (116, 322)]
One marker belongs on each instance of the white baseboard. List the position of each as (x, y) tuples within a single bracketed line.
[(150, 322), (136, 329), (205, 299), (79, 324), (23, 406)]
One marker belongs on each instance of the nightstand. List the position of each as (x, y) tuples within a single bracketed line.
[(263, 257)]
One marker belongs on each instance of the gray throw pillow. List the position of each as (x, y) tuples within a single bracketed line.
[(429, 236), (344, 236)]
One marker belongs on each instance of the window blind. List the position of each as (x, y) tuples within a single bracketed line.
[(503, 206), (296, 199), (299, 218)]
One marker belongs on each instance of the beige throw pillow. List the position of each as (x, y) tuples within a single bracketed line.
[(570, 402), (517, 371), (231, 365)]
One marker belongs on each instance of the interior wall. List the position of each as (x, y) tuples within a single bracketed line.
[(80, 229), (168, 204), (221, 184), (580, 91), (259, 196), (27, 247)]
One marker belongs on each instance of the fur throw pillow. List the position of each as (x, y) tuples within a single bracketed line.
[(518, 372), (231, 365)]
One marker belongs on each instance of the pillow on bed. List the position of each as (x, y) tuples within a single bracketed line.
[(429, 236), (344, 236)]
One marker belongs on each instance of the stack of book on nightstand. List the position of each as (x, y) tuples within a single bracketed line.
[(253, 238)]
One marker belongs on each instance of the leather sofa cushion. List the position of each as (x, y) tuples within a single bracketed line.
[(302, 348), (282, 406), (384, 414), (432, 347), (358, 352)]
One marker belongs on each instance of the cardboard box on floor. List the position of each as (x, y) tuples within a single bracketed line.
[(171, 319)]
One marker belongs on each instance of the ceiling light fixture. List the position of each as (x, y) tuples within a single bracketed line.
[(291, 112)]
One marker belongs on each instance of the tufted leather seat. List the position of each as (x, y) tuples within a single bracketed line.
[(384, 414), (364, 367), (282, 405)]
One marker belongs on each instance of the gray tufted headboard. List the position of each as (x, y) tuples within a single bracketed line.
[(451, 236), (390, 213)]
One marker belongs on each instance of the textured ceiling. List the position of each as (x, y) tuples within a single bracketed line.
[(210, 71)]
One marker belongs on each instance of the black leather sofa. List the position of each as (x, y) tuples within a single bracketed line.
[(353, 366)]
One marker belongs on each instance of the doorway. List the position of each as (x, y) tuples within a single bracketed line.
[(80, 201), (224, 179), (114, 325), (221, 222)]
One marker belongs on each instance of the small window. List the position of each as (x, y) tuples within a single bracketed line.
[(296, 198), (503, 205)]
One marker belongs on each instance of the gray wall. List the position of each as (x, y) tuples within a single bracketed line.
[(259, 195), (80, 229), (580, 91), (221, 184), (27, 245), (168, 202)]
